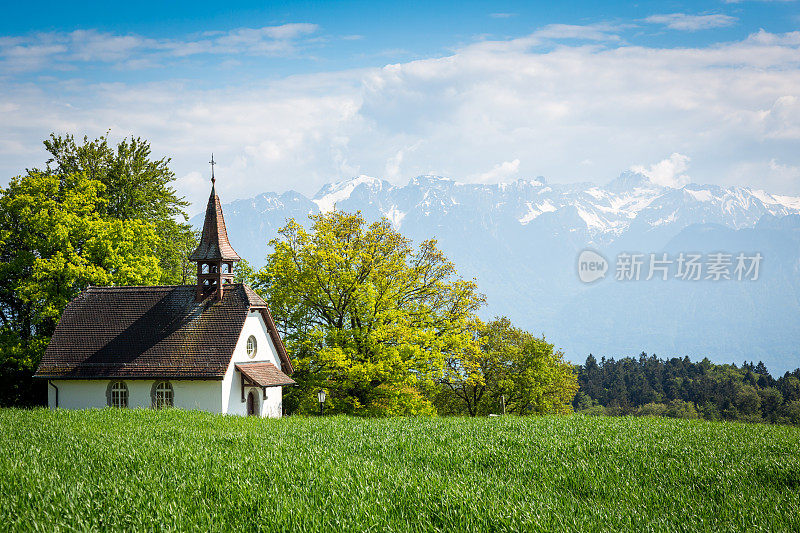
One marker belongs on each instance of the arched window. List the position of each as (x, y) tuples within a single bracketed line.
[(251, 346), (163, 395), (204, 268), (118, 394)]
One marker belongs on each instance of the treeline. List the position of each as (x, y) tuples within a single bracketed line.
[(681, 388)]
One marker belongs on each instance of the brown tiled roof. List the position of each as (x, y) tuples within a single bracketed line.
[(214, 245), (253, 297), (264, 374), (139, 332)]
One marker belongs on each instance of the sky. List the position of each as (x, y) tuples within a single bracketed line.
[(293, 95)]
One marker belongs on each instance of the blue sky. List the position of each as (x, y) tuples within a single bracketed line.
[(291, 95)]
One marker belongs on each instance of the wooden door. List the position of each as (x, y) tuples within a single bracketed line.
[(251, 404)]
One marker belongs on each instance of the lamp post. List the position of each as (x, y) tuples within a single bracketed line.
[(321, 399)]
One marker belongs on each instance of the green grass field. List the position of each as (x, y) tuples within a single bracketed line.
[(175, 470)]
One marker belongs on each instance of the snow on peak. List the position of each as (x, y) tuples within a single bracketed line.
[(701, 196), (429, 180), (629, 181), (534, 210), (538, 181), (330, 194), (592, 220), (604, 210), (395, 216), (792, 202)]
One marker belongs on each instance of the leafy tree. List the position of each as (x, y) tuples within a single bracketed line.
[(136, 187), (791, 412), (680, 409), (652, 409), (244, 273), (507, 364), (583, 401), (790, 387), (748, 402), (53, 243), (771, 402), (368, 317)]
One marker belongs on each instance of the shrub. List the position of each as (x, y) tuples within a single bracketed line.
[(709, 411), (652, 409), (680, 409), (595, 410), (791, 410)]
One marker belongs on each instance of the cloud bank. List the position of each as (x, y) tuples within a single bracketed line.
[(566, 102), (56, 50)]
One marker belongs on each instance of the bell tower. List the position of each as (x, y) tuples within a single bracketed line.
[(214, 255)]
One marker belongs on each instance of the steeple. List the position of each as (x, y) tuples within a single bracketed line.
[(214, 255)]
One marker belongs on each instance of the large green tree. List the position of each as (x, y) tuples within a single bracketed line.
[(54, 241), (366, 316), (136, 186), (506, 367)]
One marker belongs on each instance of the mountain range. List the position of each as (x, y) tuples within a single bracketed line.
[(521, 242)]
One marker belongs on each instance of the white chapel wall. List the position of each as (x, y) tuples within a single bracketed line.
[(203, 395), (231, 384)]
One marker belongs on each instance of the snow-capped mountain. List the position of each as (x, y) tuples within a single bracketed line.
[(605, 212), (520, 240)]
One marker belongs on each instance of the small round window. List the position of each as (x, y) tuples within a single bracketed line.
[(251, 346)]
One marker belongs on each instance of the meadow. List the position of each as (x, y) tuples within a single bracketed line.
[(175, 470)]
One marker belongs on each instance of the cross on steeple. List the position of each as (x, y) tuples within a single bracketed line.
[(212, 168)]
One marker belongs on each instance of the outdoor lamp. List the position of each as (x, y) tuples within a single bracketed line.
[(321, 398)]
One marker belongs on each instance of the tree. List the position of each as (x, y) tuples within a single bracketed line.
[(680, 409), (367, 317), (511, 366), (771, 402), (136, 187), (53, 243)]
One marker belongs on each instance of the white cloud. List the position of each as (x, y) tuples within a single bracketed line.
[(394, 163), (667, 172), (684, 22), (732, 106), (782, 120), (774, 176), (46, 50), (782, 175), (501, 171), (787, 170), (591, 32)]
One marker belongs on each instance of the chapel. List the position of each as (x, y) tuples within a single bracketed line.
[(211, 346)]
